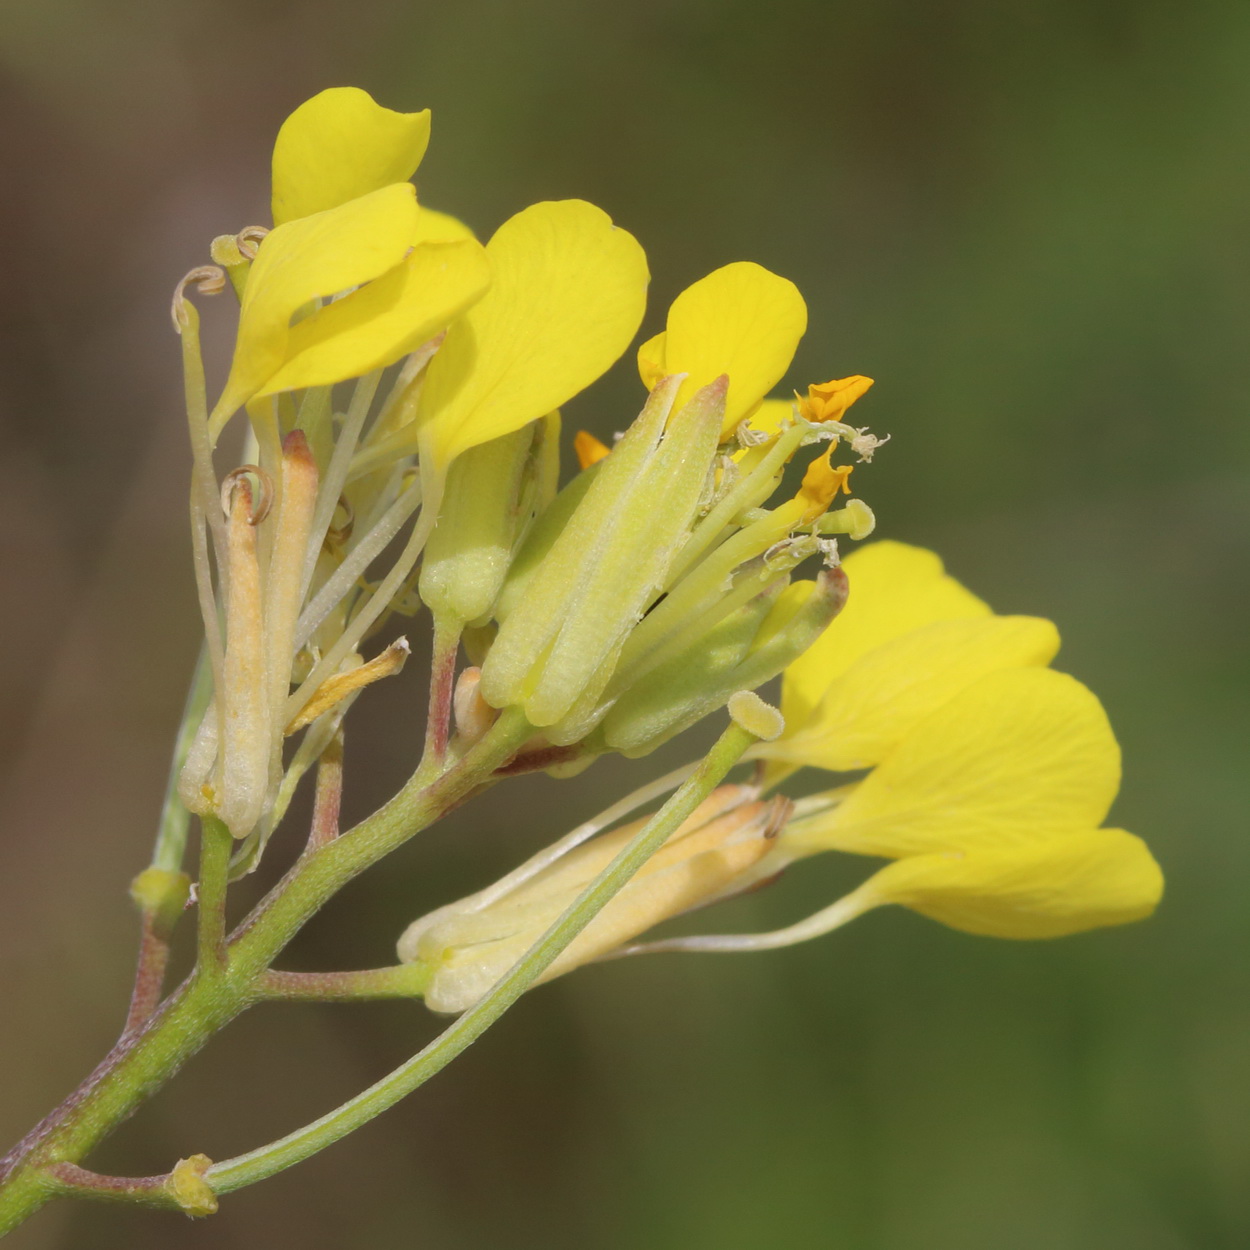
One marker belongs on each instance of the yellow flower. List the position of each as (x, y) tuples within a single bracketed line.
[(1068, 884), (396, 291), (909, 638), (741, 320), (339, 146), (567, 294), (992, 804), (354, 275)]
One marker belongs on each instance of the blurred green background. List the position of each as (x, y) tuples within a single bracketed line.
[(1029, 222)]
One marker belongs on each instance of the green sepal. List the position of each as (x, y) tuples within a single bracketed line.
[(646, 709), (554, 582), (542, 536), (696, 683), (618, 588)]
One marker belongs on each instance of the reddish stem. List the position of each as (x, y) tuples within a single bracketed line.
[(329, 795), (442, 688), (149, 975)]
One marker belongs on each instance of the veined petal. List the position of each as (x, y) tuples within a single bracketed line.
[(868, 710), (895, 588), (1066, 885), (313, 257), (339, 146), (567, 294), (385, 319), (741, 320), (1016, 758)]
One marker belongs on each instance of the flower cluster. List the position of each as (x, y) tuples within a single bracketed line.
[(402, 384)]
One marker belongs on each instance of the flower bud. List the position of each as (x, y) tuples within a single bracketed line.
[(608, 563), (467, 556), (469, 947)]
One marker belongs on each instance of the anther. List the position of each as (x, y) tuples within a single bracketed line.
[(261, 500), (206, 279)]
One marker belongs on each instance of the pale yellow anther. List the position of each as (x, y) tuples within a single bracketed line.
[(828, 401), (589, 449), (335, 689)]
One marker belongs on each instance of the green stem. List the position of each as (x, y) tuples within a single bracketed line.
[(246, 1169), (400, 981), (140, 1064), (216, 845), (171, 836)]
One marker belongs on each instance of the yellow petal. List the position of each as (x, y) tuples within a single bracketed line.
[(341, 145), (771, 416), (741, 320), (651, 360), (895, 588), (436, 227), (1069, 884), (887, 692), (384, 320), (1017, 757), (567, 294), (313, 257)]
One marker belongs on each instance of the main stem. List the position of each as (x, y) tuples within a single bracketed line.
[(215, 993)]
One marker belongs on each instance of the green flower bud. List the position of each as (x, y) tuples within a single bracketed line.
[(608, 563), (468, 553)]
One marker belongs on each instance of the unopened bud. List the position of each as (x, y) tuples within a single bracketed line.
[(559, 645), (468, 553), (474, 716)]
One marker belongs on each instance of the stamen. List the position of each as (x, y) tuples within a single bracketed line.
[(362, 555), (336, 473), (824, 921), (821, 484), (338, 687)]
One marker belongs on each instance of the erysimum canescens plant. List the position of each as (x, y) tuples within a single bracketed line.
[(401, 384)]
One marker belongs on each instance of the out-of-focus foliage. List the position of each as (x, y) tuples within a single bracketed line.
[(1030, 222)]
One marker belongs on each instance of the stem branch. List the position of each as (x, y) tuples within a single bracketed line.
[(246, 1169)]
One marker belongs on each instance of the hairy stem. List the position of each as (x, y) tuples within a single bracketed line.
[(247, 1169), (215, 993), (216, 843)]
